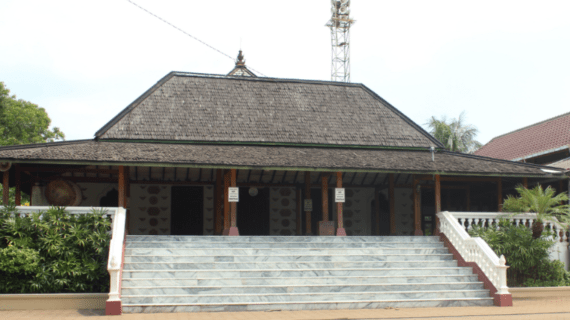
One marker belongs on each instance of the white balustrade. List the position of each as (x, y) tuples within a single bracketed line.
[(469, 219), (108, 211), (474, 249)]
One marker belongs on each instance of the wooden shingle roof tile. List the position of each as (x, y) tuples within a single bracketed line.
[(206, 108)]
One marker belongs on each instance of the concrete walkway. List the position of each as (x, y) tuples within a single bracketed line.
[(532, 303)]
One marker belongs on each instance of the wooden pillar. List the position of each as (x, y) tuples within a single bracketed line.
[(122, 187), (340, 219), (437, 202), (128, 199), (6, 187), (325, 196), (218, 203), (227, 180), (18, 195), (392, 194), (377, 209), (500, 194), (298, 213), (417, 210), (525, 183), (326, 227), (308, 197), (233, 206)]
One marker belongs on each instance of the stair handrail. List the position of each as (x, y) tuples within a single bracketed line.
[(114, 265), (487, 219), (24, 211), (475, 250)]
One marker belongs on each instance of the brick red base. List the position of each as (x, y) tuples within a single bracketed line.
[(418, 232), (340, 232), (326, 228), (232, 231), (113, 308), (500, 300)]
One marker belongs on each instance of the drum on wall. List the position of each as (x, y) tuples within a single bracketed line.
[(63, 193)]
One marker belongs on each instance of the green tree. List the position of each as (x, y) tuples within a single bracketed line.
[(543, 202), (454, 134), (22, 122)]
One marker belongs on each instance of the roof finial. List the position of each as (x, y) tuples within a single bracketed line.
[(240, 61)]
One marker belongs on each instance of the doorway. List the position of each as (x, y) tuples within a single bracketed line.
[(187, 211), (253, 211)]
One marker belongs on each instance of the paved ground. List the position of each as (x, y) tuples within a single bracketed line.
[(553, 304)]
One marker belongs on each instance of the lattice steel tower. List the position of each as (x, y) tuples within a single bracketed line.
[(339, 24)]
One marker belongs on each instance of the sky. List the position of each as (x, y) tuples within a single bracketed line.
[(504, 63)]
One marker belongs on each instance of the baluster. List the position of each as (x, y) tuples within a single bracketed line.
[(517, 222), (470, 225), (530, 221), (496, 224), (461, 222), (477, 221)]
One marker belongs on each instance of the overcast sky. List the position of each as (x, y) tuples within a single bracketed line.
[(505, 63)]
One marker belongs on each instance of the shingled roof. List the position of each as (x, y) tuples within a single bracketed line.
[(269, 157), (542, 137), (213, 108)]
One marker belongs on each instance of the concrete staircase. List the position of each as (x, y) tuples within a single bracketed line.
[(217, 273)]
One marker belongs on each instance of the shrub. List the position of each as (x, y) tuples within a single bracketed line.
[(527, 258), (53, 252)]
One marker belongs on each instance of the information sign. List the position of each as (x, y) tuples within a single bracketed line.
[(233, 194), (339, 195)]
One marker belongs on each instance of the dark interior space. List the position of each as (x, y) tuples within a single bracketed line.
[(253, 212), (187, 213)]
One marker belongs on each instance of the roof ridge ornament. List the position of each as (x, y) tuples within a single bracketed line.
[(240, 61), (240, 70)]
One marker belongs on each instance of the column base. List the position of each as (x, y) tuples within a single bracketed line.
[(418, 232), (340, 232), (503, 300), (326, 228), (232, 231), (113, 308)]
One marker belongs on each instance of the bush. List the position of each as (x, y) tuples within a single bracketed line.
[(53, 252), (527, 258)]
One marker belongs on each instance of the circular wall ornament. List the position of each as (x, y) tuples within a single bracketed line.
[(253, 191)]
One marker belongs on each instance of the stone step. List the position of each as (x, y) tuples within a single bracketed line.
[(277, 245), (281, 251), (302, 297), (290, 289), (272, 273), (287, 265), (147, 282), (276, 258), (303, 239)]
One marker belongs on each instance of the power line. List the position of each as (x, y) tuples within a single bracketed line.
[(191, 36)]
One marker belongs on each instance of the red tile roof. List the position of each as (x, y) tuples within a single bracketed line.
[(547, 135)]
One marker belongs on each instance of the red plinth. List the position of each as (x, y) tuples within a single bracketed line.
[(340, 232), (503, 300), (326, 228), (418, 233), (232, 231), (113, 308)]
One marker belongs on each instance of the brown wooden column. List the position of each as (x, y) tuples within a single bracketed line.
[(500, 194), (6, 187), (392, 194), (18, 194), (326, 227), (308, 214), (122, 187), (233, 206), (339, 216), (299, 210), (377, 210), (218, 203), (525, 183), (227, 180), (417, 209), (128, 198), (437, 202)]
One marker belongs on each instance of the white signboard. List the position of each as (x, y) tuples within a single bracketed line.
[(233, 194), (308, 205), (338, 194)]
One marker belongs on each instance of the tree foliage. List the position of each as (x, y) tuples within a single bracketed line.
[(543, 202), (455, 134), (53, 252), (22, 122), (528, 258)]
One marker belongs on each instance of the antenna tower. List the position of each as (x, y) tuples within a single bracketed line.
[(339, 24)]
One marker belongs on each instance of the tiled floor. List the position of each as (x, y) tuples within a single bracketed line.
[(527, 305)]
